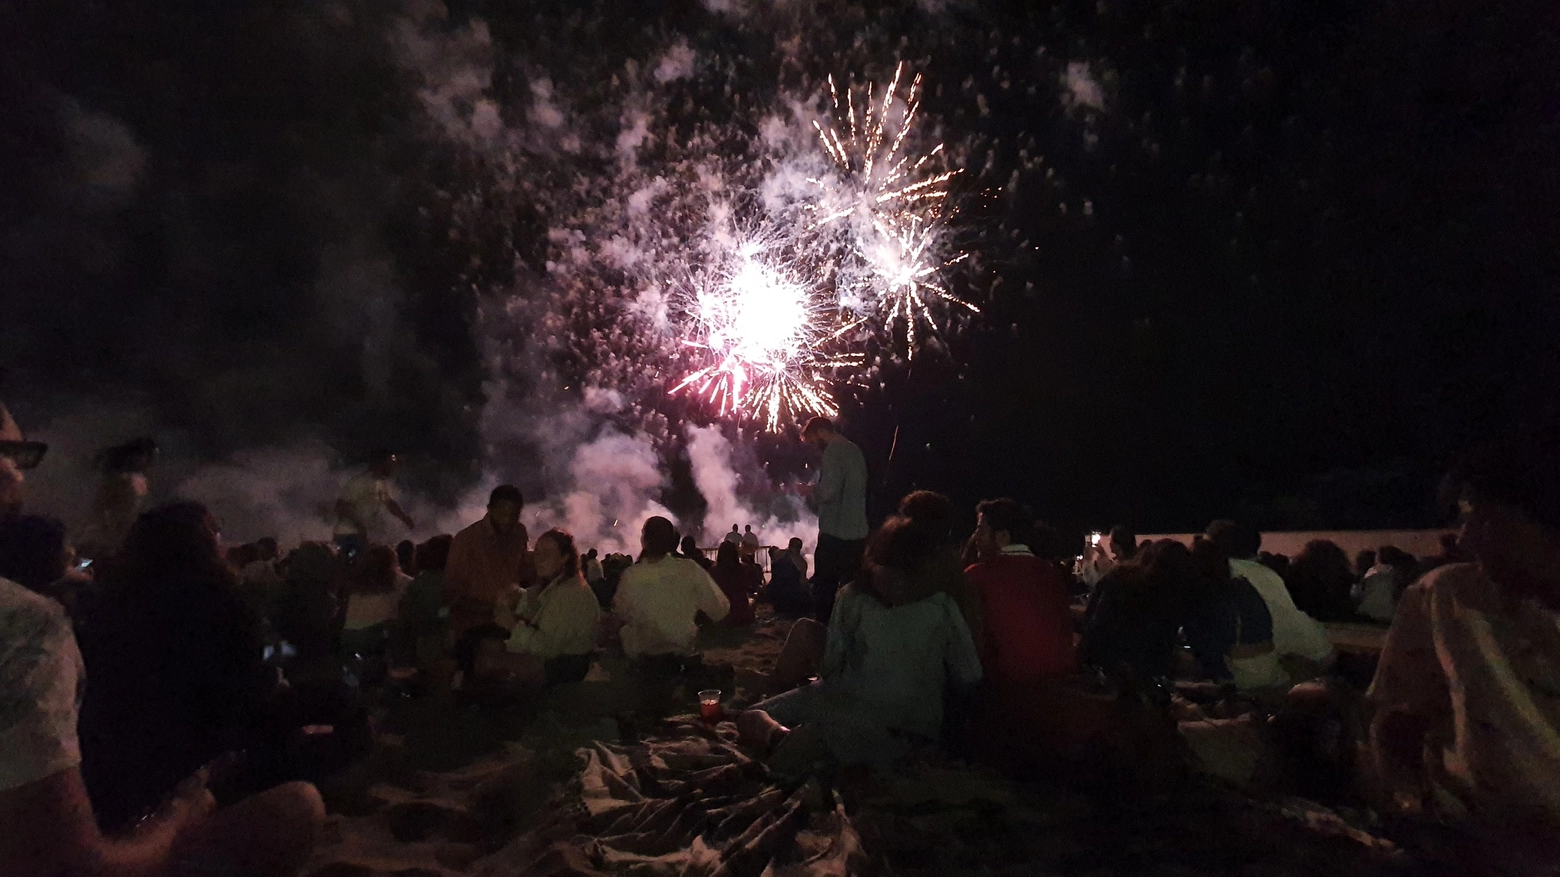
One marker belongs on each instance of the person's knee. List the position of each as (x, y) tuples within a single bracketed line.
[(297, 811)]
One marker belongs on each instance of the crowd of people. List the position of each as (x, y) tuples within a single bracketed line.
[(168, 706)]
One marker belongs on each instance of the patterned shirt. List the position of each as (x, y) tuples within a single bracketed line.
[(41, 681)]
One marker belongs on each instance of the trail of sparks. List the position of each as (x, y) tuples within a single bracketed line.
[(893, 202)]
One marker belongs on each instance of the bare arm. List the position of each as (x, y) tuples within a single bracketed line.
[(50, 831), (395, 509)]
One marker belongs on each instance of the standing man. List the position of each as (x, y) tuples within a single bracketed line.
[(487, 560), (364, 499), (840, 496)]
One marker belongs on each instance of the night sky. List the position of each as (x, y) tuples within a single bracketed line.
[(1303, 254)]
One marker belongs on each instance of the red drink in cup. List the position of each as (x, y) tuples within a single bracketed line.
[(709, 706)]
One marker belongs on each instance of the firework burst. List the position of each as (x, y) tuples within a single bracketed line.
[(766, 338), (891, 203)]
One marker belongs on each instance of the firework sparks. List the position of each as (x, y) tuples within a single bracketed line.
[(766, 336), (892, 202)]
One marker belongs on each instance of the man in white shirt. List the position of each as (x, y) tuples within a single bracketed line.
[(660, 595), (1296, 635), (364, 499), (1467, 694), (840, 497)]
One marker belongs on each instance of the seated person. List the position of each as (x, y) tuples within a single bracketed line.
[(1466, 698), (1134, 614), (933, 513), (177, 665), (885, 669), (1320, 580), (738, 580), (306, 612), (374, 587), (659, 596), (1227, 624), (422, 612), (1025, 603), (787, 591), (1301, 641), (557, 622), (690, 550), (48, 817)]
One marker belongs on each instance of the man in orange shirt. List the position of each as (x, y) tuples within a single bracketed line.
[(487, 560)]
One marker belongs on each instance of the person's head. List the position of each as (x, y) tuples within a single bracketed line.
[(34, 551), (1237, 541), (172, 540), (1397, 558), (374, 571), (747, 528), (1363, 561), (657, 538), (733, 528), (794, 546), (382, 463), (1000, 523), (819, 432), (898, 548), (591, 554), (504, 506), (1123, 542), (690, 547), (1508, 494), (1210, 570), (432, 555), (555, 556), (269, 550), (727, 556), (1323, 560), (929, 509)]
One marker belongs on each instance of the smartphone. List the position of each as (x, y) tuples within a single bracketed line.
[(1094, 538), (84, 564)]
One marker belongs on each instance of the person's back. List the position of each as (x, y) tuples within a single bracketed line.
[(1028, 617), (176, 660), (895, 659), (735, 578), (786, 591), (1294, 632), (658, 600), (1320, 580), (1130, 626), (177, 677)]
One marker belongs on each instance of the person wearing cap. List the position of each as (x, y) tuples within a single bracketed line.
[(364, 500)]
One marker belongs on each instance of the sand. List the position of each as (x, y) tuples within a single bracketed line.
[(615, 775)]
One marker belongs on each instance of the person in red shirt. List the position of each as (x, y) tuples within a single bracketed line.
[(1028, 618)]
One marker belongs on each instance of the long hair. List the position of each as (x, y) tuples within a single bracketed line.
[(173, 542), (727, 557), (898, 548), (564, 541)]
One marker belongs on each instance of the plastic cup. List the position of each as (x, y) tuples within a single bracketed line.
[(709, 706)]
